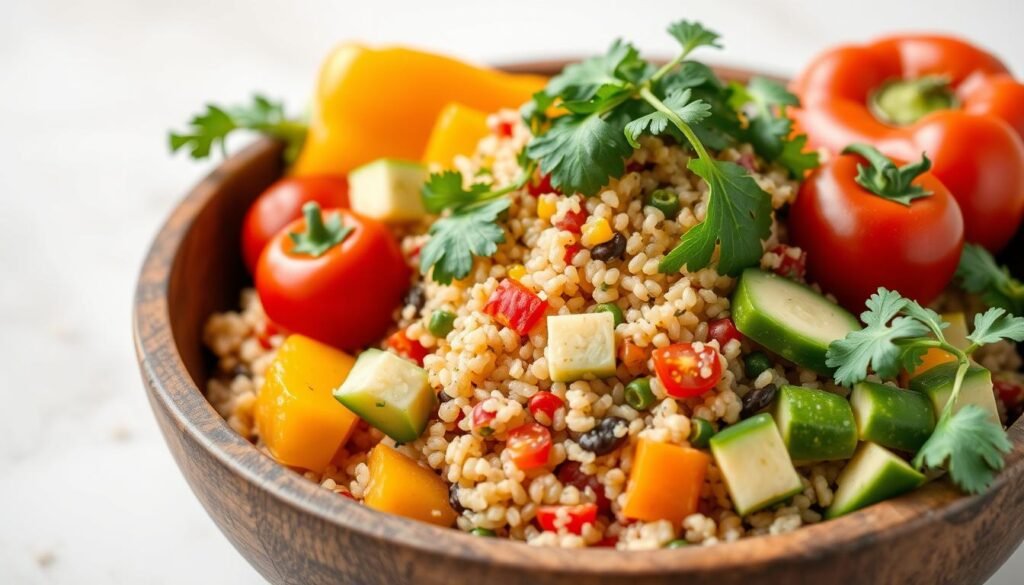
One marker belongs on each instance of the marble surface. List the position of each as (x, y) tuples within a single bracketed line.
[(88, 492)]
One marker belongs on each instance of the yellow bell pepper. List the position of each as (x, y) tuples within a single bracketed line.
[(375, 103), (296, 414), (399, 485), (457, 131)]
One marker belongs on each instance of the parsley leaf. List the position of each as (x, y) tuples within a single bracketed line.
[(970, 446), (692, 35), (979, 273), (739, 216), (581, 81), (456, 239), (768, 128), (210, 128), (995, 325), (580, 152), (656, 122), (444, 190)]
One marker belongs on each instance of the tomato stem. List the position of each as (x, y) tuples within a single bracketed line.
[(319, 236), (883, 178)]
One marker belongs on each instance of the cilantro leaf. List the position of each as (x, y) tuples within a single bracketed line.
[(995, 325), (692, 35), (979, 273), (210, 128), (768, 128), (656, 122), (970, 445), (581, 152), (444, 190), (456, 239), (739, 217), (581, 81)]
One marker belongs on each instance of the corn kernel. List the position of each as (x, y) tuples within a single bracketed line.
[(545, 208), (517, 272), (596, 232)]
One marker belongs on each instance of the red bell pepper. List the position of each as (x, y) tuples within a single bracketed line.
[(577, 517), (516, 306)]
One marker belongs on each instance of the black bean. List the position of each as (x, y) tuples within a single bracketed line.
[(613, 248), (453, 498), (758, 399), (602, 439), (416, 297)]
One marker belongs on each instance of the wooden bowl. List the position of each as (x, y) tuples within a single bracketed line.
[(293, 531)]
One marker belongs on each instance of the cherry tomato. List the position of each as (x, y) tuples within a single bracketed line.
[(572, 221), (576, 517), (282, 204), (685, 372), (545, 403), (481, 420), (410, 349), (723, 331), (345, 296), (529, 445), (569, 473), (790, 266)]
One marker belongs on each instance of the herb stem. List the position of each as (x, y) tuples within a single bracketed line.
[(664, 69), (649, 97)]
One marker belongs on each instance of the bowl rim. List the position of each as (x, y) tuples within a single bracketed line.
[(170, 386)]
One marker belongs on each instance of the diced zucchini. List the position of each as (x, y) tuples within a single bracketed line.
[(390, 393), (937, 384), (789, 318), (755, 464), (581, 346), (956, 333), (815, 425), (892, 417), (388, 190), (874, 474)]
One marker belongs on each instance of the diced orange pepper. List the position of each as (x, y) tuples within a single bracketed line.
[(665, 482), (377, 103), (399, 485), (296, 414), (955, 334), (457, 131)]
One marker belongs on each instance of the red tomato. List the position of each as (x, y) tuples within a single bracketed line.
[(573, 221), (546, 403), (723, 331), (345, 296), (857, 241), (504, 129), (481, 420), (514, 305), (576, 517), (282, 204), (685, 372), (541, 186), (529, 445), (1009, 392), (570, 252), (791, 266), (410, 349), (569, 473)]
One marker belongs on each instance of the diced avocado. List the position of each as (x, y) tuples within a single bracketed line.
[(874, 474), (388, 190), (937, 384), (789, 318), (815, 425), (755, 464), (390, 393), (581, 346), (892, 417)]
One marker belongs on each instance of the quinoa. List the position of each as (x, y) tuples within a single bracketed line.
[(482, 362)]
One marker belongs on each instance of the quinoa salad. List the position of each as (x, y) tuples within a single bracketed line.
[(616, 307)]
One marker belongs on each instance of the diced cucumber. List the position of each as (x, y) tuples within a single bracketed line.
[(581, 346), (390, 393), (755, 464), (789, 318), (874, 474), (892, 417), (388, 190), (937, 384), (815, 425)]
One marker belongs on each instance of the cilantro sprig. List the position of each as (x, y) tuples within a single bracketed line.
[(897, 334), (209, 129), (979, 273), (768, 127)]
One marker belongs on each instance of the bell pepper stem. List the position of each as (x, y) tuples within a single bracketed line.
[(905, 101)]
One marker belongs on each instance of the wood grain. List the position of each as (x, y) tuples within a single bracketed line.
[(293, 531)]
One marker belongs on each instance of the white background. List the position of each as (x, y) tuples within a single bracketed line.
[(88, 492)]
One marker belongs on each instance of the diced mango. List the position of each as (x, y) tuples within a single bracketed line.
[(457, 131), (399, 485), (665, 482), (296, 414)]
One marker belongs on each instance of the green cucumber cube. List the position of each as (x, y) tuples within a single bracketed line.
[(390, 393), (937, 384), (581, 346), (874, 474), (815, 425), (892, 417), (388, 190), (757, 469)]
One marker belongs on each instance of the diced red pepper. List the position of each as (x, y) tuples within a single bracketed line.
[(529, 445), (577, 517), (570, 252), (410, 349), (481, 420), (570, 473), (790, 267), (545, 402), (723, 331), (541, 186), (572, 221), (505, 128), (516, 306)]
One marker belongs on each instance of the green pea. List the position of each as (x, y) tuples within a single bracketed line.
[(701, 432), (441, 323), (486, 532), (639, 394), (755, 363), (614, 310), (665, 200), (677, 543)]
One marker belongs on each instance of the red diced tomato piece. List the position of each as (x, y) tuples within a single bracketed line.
[(572, 221), (790, 267), (570, 473), (481, 420), (410, 349), (570, 252), (529, 445), (516, 306), (723, 331), (541, 186), (505, 128), (1009, 392), (685, 372), (577, 517), (546, 403)]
